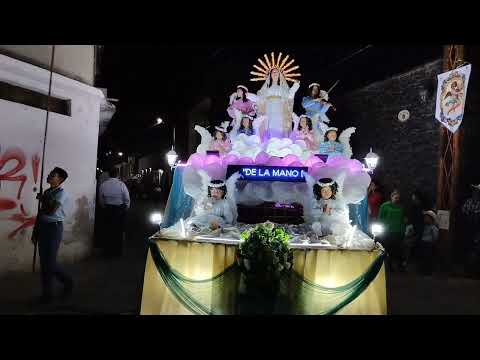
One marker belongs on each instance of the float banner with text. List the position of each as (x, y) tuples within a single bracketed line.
[(268, 173)]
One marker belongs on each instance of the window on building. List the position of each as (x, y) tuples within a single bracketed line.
[(34, 99)]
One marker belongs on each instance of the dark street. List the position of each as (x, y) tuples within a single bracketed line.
[(114, 286)]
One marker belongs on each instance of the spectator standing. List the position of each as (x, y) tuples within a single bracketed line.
[(114, 200), (392, 216), (49, 233)]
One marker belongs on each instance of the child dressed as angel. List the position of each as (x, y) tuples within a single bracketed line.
[(331, 146), (221, 143), (328, 209), (303, 130), (246, 126), (215, 211)]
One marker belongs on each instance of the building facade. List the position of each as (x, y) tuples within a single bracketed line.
[(71, 143)]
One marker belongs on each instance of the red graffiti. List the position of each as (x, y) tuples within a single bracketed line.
[(35, 167), (7, 204), (16, 157), (14, 154), (24, 218)]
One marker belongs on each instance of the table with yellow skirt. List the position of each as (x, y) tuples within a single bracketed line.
[(184, 277)]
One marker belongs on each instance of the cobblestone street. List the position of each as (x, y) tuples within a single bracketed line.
[(114, 286)]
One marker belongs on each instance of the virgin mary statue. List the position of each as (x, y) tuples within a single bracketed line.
[(275, 102)]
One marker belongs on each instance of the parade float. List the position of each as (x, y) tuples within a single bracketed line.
[(269, 215)]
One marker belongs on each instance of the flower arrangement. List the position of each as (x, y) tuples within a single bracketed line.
[(265, 253)]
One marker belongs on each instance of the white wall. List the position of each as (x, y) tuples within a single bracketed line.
[(74, 61), (71, 144)]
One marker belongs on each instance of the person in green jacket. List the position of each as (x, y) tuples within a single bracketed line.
[(392, 216)]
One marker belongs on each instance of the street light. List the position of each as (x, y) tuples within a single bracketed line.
[(172, 155), (120, 154), (159, 121), (372, 160)]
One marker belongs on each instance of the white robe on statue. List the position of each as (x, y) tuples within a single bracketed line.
[(276, 103)]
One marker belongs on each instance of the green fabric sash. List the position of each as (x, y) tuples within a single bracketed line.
[(226, 293)]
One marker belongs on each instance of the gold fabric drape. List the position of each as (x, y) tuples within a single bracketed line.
[(199, 261)]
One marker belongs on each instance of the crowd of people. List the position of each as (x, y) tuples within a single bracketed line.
[(410, 231)]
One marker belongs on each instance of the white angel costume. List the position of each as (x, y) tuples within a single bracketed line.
[(256, 124), (212, 211), (331, 215), (311, 139), (209, 143), (276, 103), (207, 210), (328, 216)]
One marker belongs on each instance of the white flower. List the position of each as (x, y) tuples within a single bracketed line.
[(280, 267), (288, 265)]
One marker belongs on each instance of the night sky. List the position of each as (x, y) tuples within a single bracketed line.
[(167, 80)]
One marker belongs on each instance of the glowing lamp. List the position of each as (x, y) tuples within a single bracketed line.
[(156, 218), (377, 229), (172, 157), (372, 160)]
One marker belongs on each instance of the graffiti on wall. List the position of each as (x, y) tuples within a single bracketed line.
[(14, 168)]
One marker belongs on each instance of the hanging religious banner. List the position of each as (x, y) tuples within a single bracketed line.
[(451, 96)]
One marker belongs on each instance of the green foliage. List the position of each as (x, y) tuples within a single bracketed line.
[(265, 250)]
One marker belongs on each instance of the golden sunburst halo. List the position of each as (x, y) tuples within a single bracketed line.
[(267, 64)]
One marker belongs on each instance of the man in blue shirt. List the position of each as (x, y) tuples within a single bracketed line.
[(50, 233)]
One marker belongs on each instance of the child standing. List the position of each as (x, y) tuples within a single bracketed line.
[(428, 240)]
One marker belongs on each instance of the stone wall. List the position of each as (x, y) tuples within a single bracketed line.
[(409, 151)]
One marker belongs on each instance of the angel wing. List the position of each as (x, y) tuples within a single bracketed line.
[(323, 128), (296, 120), (231, 192), (344, 139), (195, 184), (206, 139), (203, 193), (307, 200), (310, 180), (340, 180)]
